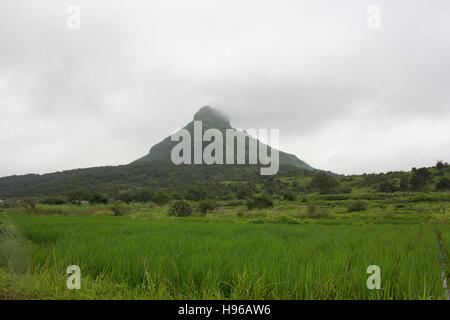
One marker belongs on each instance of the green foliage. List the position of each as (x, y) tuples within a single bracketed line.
[(387, 186), (443, 184), (357, 205), (441, 165), (311, 209), (143, 195), (97, 197), (126, 196), (259, 202), (289, 196), (207, 205), (78, 195), (196, 194), (244, 191), (324, 183), (420, 178), (118, 208), (54, 201), (160, 197), (180, 208), (122, 258), (404, 183)]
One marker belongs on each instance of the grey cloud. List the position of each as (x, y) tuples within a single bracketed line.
[(138, 70)]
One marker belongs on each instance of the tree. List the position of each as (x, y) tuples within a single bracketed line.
[(443, 184), (78, 195), (259, 202), (30, 204), (404, 183), (207, 205), (440, 164), (53, 201), (97, 197), (420, 178), (144, 195), (245, 190), (289, 196), (196, 194), (357, 205), (180, 208), (324, 183), (125, 196), (118, 208), (160, 197), (387, 186)]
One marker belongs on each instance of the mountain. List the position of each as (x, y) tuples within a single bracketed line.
[(155, 170), (213, 118)]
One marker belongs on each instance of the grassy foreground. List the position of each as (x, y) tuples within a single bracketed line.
[(157, 257)]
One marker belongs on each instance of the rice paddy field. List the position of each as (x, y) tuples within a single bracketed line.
[(231, 254)]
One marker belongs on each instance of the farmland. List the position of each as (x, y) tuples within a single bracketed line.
[(312, 248)]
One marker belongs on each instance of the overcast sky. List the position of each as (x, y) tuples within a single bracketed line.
[(345, 97)]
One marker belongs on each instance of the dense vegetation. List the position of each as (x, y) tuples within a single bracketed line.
[(230, 233), (160, 183), (318, 249)]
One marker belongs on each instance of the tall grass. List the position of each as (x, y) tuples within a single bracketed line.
[(145, 258)]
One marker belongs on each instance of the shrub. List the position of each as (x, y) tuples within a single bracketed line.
[(259, 202), (161, 197), (289, 196), (357, 205), (283, 218), (206, 206), (97, 197), (324, 183), (420, 178), (311, 209), (387, 186), (118, 208), (54, 201), (78, 195), (144, 195), (125, 196), (443, 184), (180, 208), (318, 214)]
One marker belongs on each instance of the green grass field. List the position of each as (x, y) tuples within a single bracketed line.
[(281, 253)]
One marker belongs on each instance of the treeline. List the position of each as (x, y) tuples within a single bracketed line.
[(110, 180), (161, 183)]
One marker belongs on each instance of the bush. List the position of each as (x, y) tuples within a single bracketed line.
[(387, 186), (357, 205), (125, 196), (54, 201), (420, 178), (311, 209), (118, 208), (259, 202), (289, 196), (206, 206), (97, 197), (443, 184), (161, 197), (78, 195), (283, 218), (324, 183), (180, 208)]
